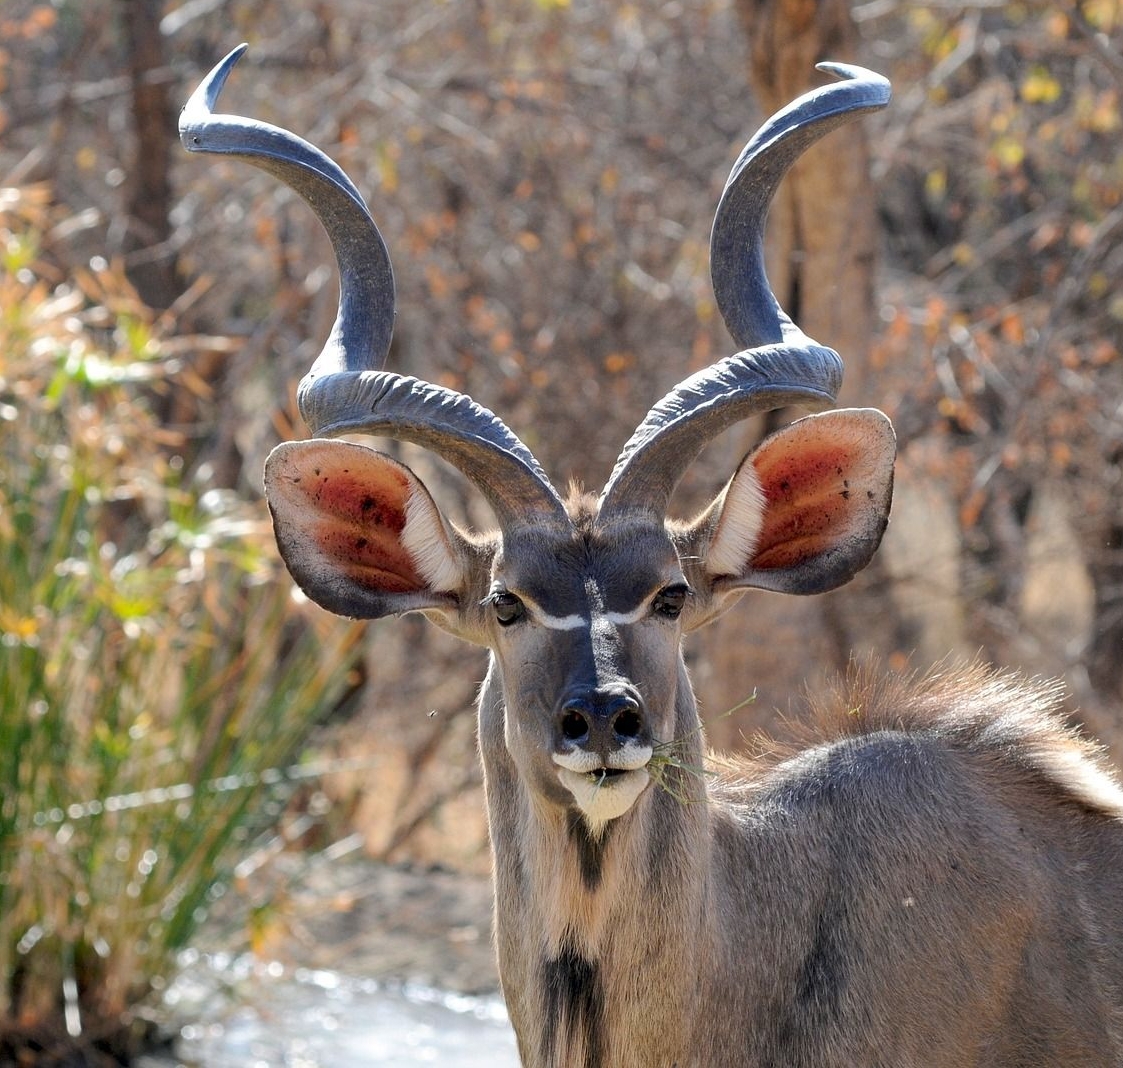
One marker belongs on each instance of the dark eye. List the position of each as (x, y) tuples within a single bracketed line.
[(669, 602), (508, 608)]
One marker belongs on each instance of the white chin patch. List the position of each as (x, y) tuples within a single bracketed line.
[(604, 793), (604, 796)]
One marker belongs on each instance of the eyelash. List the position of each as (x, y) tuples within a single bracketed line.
[(671, 600), (507, 607)]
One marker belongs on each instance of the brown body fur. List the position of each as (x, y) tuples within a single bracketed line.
[(932, 877)]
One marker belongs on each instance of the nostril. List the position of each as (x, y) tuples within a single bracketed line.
[(600, 719), (628, 724), (574, 726)]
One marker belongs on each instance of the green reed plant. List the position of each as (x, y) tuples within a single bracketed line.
[(154, 671)]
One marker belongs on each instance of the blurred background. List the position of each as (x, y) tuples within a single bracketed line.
[(187, 752)]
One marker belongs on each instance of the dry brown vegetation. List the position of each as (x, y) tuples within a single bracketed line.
[(545, 173)]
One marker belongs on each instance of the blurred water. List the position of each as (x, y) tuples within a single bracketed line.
[(271, 1017)]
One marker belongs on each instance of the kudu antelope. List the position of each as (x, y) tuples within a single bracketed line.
[(934, 877)]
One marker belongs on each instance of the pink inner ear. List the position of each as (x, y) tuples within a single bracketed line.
[(360, 516), (810, 493)]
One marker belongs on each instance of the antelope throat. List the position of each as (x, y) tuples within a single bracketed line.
[(573, 1011)]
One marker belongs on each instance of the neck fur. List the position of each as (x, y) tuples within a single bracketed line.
[(581, 917)]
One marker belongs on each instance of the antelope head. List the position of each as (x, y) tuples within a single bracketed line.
[(582, 602)]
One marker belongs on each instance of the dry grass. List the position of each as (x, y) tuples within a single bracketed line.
[(155, 677)]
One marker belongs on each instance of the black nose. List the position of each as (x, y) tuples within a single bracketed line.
[(601, 718)]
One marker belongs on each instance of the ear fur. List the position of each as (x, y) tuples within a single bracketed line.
[(806, 509), (359, 532)]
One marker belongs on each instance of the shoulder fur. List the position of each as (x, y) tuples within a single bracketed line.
[(1000, 716)]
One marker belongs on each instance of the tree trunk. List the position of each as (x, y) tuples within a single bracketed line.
[(821, 243), (1105, 652), (822, 230), (149, 192)]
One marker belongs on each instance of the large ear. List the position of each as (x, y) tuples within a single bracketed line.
[(806, 509), (359, 532)]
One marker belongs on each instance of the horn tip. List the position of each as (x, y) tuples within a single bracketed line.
[(879, 86), (200, 105)]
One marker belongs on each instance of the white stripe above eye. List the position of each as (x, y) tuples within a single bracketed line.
[(572, 622), (575, 620), (624, 618)]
